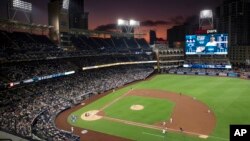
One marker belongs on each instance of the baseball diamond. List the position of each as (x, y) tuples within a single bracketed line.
[(197, 113)]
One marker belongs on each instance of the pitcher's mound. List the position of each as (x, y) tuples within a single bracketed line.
[(137, 107), (91, 115)]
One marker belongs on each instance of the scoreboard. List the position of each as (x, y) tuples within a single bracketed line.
[(207, 44)]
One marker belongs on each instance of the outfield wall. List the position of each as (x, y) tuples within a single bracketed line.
[(235, 75)]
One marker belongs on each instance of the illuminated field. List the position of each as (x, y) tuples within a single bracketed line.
[(228, 98)]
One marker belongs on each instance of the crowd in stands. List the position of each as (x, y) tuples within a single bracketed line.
[(44, 128), (208, 62), (25, 70), (114, 44), (27, 46), (244, 71), (15, 44), (195, 70), (13, 72), (30, 110)]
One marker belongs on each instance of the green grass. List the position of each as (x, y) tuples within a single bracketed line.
[(227, 97), (156, 110)]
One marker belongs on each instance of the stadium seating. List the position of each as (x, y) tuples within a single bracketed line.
[(20, 45), (13, 72), (143, 44), (97, 44), (26, 46), (29, 110), (194, 70), (29, 42)]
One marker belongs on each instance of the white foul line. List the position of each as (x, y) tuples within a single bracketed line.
[(153, 134)]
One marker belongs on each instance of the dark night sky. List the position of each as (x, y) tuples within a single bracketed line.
[(108, 11), (40, 11)]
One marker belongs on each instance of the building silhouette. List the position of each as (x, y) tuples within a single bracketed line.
[(233, 18), (153, 37)]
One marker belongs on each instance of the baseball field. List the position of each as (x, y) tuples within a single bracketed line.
[(168, 107)]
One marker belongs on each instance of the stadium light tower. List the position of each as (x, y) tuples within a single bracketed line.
[(206, 19), (65, 4), (21, 6), (128, 25)]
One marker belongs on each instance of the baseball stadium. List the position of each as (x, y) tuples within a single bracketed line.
[(64, 82)]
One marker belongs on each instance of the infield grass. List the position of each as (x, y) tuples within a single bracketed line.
[(155, 110)]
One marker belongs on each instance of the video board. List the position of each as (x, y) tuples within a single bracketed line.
[(207, 44)]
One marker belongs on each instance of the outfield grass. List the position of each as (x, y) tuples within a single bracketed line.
[(227, 97), (155, 110)]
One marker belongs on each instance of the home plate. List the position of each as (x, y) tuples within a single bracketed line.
[(203, 136)]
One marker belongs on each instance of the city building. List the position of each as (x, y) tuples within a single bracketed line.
[(77, 16), (233, 17), (153, 38), (176, 34), (239, 55), (65, 16)]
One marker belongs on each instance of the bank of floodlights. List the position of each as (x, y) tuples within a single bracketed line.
[(204, 14), (22, 5), (19, 6), (206, 19), (133, 23), (65, 4), (128, 25)]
